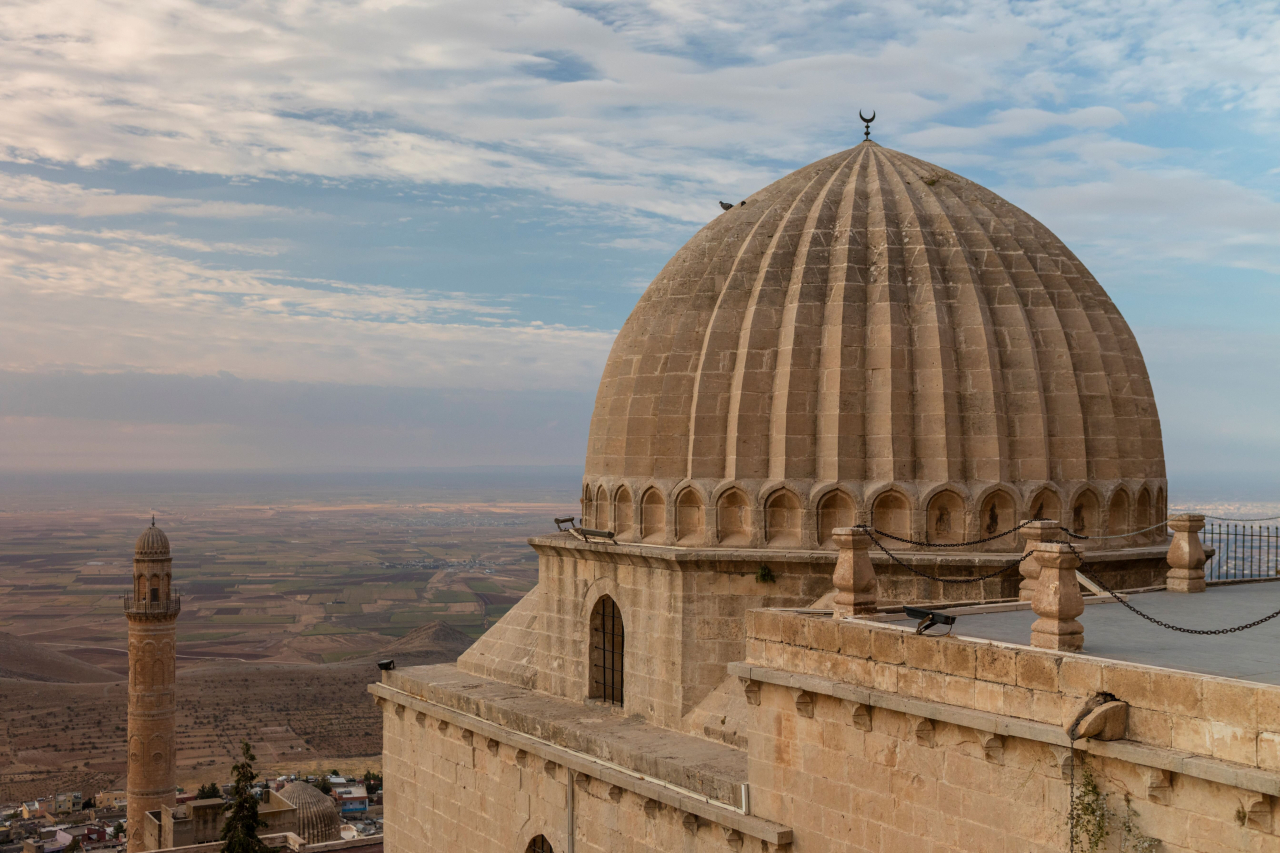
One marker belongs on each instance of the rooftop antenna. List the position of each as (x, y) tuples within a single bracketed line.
[(867, 134)]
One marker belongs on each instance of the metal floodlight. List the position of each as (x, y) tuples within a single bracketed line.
[(562, 520), (588, 534), (929, 618), (386, 665)]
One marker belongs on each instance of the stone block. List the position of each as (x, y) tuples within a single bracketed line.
[(1269, 751), (921, 652), (886, 646), (959, 658), (1176, 693), (997, 664), (886, 677), (988, 696), (824, 634), (1037, 670), (1128, 684), (1150, 727), (855, 640), (1078, 676), (1018, 702), (1234, 743), (1192, 735), (1230, 702)]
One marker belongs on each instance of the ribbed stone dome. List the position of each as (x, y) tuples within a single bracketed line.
[(317, 813), (871, 325), (152, 543)]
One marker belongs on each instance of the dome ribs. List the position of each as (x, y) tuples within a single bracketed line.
[(890, 412), (931, 330), (981, 422), (793, 427), (840, 426), (750, 400), (1017, 398), (717, 359), (1083, 346), (872, 321)]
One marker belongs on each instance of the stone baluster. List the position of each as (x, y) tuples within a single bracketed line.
[(1057, 600), (1034, 533), (854, 578), (1186, 554)]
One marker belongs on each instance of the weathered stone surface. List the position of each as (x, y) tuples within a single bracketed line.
[(1186, 554)]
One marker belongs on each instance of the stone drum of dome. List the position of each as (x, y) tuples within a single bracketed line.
[(873, 339)]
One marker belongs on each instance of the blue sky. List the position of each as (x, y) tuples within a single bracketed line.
[(388, 234)]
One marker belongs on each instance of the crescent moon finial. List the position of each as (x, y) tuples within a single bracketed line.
[(867, 133)]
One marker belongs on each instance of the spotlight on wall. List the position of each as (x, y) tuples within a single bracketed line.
[(929, 618), (562, 520), (386, 665)]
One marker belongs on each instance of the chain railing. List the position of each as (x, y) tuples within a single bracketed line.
[(1242, 551)]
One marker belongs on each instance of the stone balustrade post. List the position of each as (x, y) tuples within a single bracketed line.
[(854, 577), (1057, 600), (1034, 533), (1186, 554)]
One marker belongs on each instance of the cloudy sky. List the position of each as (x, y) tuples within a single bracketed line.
[(337, 235)]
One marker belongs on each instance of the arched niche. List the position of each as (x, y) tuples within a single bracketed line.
[(1084, 514), (622, 513), (1142, 511), (834, 510), (588, 506), (539, 844), (607, 652), (600, 521), (891, 513), (997, 514), (1162, 508), (1118, 514), (691, 524), (944, 518), (782, 519), (731, 519), (653, 517), (1046, 504)]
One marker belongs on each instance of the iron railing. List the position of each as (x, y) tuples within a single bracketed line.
[(1243, 550), (153, 608)]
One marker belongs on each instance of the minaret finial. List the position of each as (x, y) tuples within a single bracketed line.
[(867, 133), (153, 520)]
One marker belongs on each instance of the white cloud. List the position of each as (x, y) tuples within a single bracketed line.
[(73, 303), (32, 194)]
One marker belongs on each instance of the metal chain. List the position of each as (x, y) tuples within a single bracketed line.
[(870, 531), (955, 544), (1207, 632), (1221, 518)]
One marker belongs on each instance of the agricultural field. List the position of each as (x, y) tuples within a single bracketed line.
[(286, 605)]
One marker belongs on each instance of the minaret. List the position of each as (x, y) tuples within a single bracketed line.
[(152, 611)]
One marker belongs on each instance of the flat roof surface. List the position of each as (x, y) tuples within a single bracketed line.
[(1112, 631)]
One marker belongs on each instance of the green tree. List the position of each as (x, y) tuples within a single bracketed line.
[(240, 832), (118, 830), (372, 782), (208, 791), (324, 786)]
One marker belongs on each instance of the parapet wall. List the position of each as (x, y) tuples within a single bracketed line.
[(865, 736)]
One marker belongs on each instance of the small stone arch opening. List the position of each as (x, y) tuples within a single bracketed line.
[(1118, 514), (691, 525), (782, 519), (539, 844), (1142, 510), (945, 518), (891, 513), (623, 513), (1162, 509), (998, 514), (1084, 514), (834, 510), (154, 594), (1046, 504), (607, 652), (601, 519), (731, 519), (653, 517), (588, 506)]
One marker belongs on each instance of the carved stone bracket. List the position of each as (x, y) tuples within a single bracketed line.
[(420, 718), (690, 822), (443, 727), (550, 768), (923, 731), (492, 745), (860, 715), (1257, 809), (732, 837), (751, 689), (615, 793), (651, 808), (1159, 785), (993, 748), (804, 702)]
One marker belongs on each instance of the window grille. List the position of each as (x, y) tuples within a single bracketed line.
[(539, 845), (608, 644)]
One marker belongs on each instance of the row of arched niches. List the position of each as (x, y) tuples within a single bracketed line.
[(743, 514)]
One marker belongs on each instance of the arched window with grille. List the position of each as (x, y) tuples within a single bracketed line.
[(608, 646), (539, 845)]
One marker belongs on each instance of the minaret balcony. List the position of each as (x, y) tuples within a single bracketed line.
[(156, 609)]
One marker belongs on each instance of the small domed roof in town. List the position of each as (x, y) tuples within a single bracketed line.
[(870, 322), (152, 542), (317, 813)]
